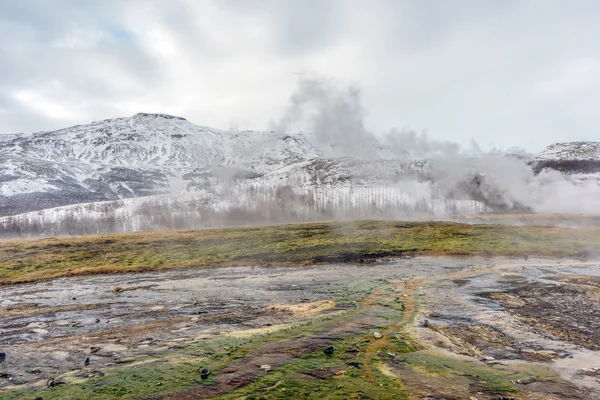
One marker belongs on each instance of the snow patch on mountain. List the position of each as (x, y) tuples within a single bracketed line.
[(589, 151), (143, 155)]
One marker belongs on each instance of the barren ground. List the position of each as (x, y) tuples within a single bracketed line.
[(418, 328)]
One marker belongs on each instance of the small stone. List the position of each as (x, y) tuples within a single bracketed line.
[(266, 367), (473, 398), (87, 361), (74, 298), (391, 354), (204, 373), (527, 381), (97, 320), (2, 356), (487, 358), (33, 371), (377, 335), (425, 323), (329, 350), (50, 382)]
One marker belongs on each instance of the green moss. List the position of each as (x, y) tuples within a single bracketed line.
[(493, 379), (337, 378)]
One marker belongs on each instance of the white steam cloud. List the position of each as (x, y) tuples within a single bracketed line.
[(503, 180)]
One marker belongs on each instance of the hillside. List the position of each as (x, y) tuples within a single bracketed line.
[(156, 171), (570, 157), (589, 151), (139, 156)]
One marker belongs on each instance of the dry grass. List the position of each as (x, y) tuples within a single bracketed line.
[(361, 241)]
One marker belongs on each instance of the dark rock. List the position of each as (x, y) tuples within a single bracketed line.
[(33, 371), (53, 382), (74, 298), (97, 320), (425, 323), (2, 356), (204, 373), (328, 350), (87, 361)]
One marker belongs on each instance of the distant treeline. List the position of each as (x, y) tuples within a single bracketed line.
[(261, 205)]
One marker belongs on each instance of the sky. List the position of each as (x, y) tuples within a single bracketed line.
[(503, 73)]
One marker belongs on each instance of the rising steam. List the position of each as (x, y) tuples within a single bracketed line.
[(505, 181)]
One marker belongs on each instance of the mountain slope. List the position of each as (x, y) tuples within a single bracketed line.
[(589, 151), (137, 156), (154, 171), (570, 158)]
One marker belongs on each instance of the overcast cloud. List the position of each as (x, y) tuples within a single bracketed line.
[(503, 72)]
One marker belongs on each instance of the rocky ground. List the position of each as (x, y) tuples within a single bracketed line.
[(418, 328)]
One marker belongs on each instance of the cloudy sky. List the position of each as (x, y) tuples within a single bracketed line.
[(503, 72)]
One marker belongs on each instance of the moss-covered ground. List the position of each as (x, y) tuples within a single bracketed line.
[(35, 259)]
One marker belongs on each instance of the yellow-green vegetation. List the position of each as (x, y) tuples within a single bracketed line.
[(439, 365), (34, 259)]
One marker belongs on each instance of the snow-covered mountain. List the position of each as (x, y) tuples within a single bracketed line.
[(581, 158), (138, 156), (161, 171), (583, 151)]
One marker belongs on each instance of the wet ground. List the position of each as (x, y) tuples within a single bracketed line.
[(449, 328), (546, 315)]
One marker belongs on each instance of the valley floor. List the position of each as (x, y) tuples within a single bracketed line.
[(408, 327)]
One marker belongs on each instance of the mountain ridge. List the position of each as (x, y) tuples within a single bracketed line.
[(149, 155)]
